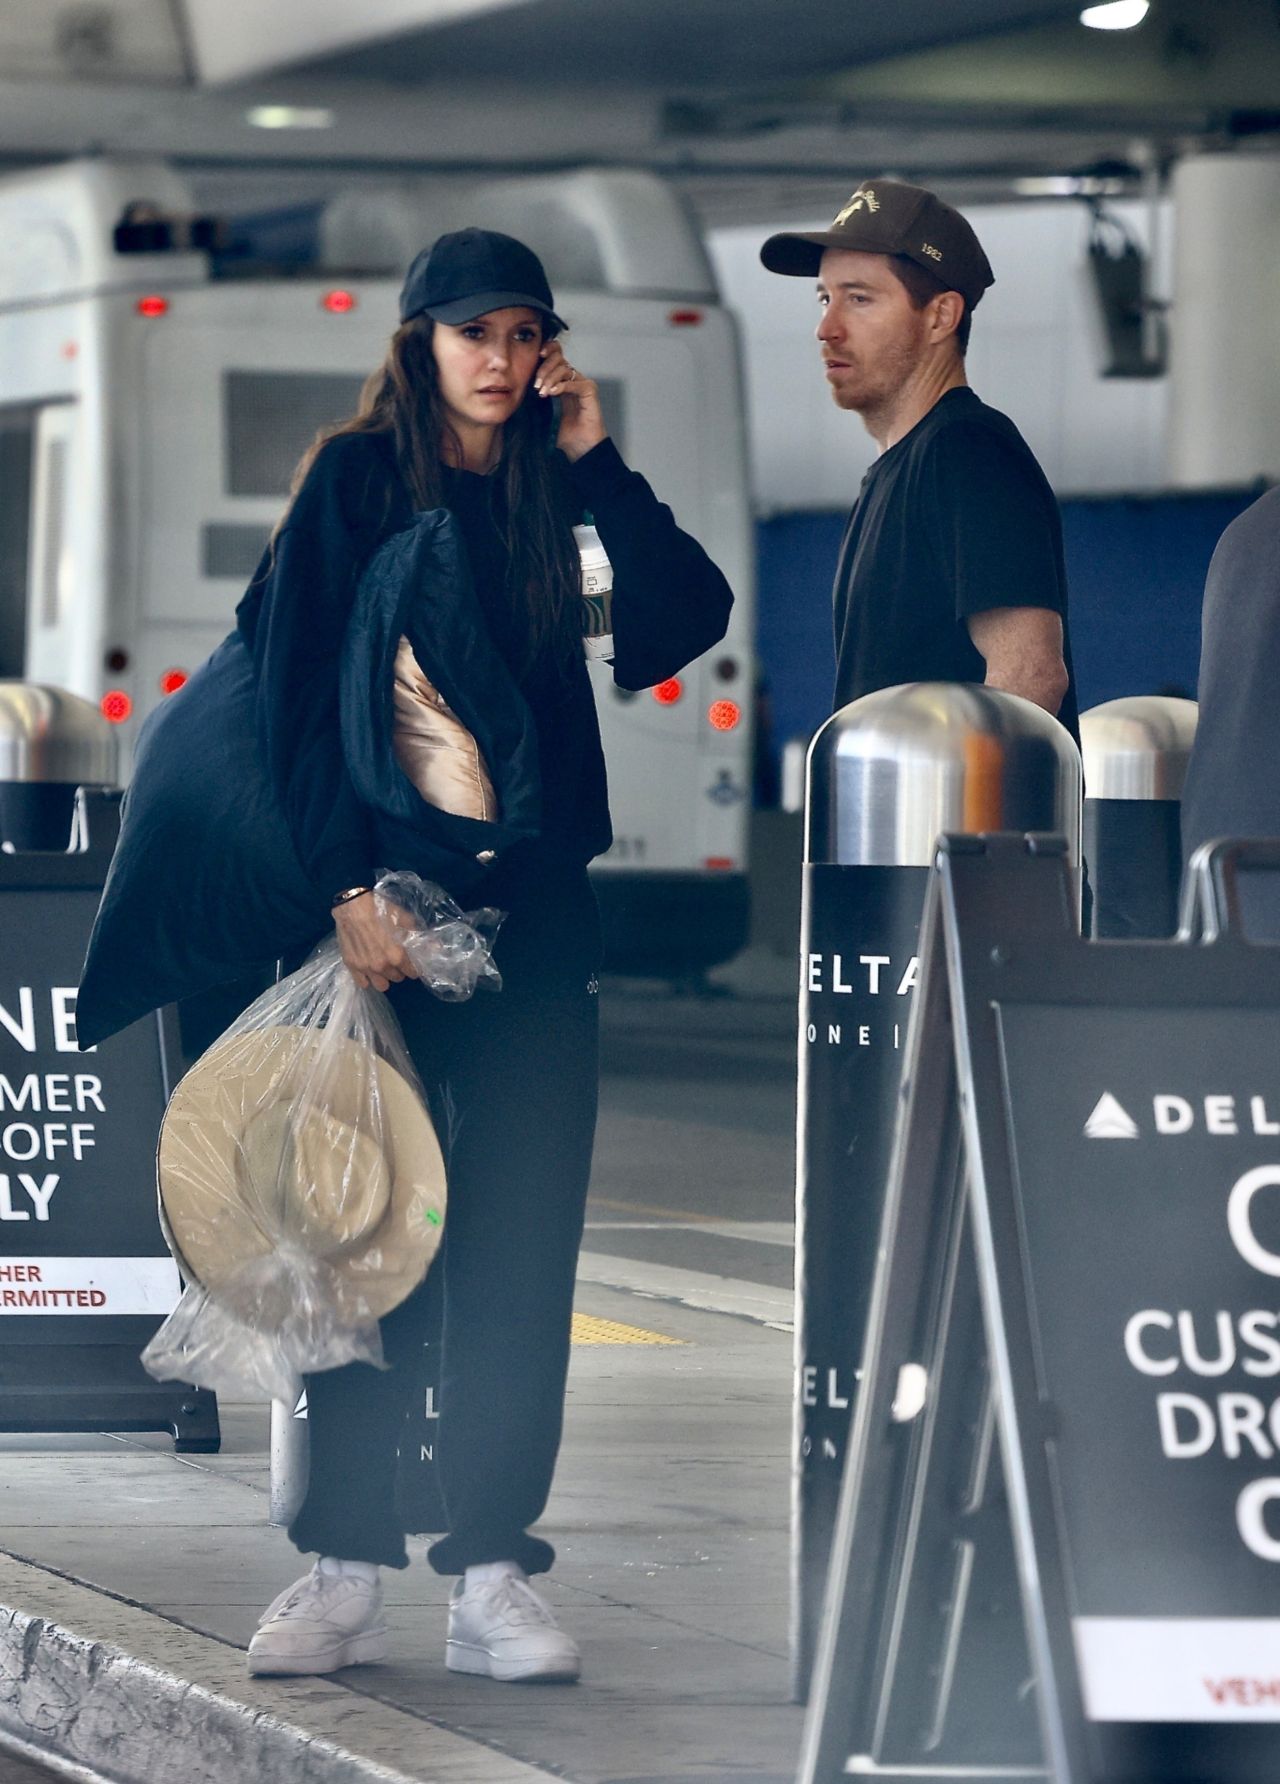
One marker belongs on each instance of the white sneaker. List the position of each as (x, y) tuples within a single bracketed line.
[(331, 1617), (500, 1628)]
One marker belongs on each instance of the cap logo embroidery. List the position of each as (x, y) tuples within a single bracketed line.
[(929, 249), (856, 203)]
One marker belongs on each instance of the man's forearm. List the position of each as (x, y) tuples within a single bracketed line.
[(1023, 651), (1045, 683)]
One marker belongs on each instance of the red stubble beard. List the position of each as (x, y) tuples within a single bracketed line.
[(873, 386), (850, 387)]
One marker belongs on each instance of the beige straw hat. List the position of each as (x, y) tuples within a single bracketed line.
[(298, 1143)]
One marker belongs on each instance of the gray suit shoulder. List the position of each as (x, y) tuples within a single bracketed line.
[(1248, 551)]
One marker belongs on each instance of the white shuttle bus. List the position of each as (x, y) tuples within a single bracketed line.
[(151, 414)]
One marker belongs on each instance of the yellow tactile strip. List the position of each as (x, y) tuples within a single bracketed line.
[(589, 1330)]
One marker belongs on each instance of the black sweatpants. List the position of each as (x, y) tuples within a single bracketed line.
[(512, 1080)]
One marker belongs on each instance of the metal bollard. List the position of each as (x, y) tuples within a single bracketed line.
[(51, 743), (1136, 753), (887, 774), (290, 1453)]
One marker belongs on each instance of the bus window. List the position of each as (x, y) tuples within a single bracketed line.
[(15, 540), (231, 550), (50, 623), (270, 418)]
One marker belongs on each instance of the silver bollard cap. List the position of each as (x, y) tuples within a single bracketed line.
[(47, 734), (1138, 747), (890, 772)]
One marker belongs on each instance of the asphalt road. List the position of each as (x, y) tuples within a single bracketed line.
[(696, 1144)]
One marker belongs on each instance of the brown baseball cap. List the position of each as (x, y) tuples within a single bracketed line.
[(890, 217)]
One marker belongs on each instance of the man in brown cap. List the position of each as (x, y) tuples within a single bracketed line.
[(951, 567)]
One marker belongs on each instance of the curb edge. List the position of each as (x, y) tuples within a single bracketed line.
[(87, 1703)]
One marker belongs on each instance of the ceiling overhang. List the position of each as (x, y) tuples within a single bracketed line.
[(1188, 68), (237, 40)]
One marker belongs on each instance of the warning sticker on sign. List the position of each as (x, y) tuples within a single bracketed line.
[(99, 1285), (1180, 1669)]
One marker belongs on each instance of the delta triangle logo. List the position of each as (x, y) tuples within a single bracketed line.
[(1109, 1121)]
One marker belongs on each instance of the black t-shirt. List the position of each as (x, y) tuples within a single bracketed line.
[(955, 519)]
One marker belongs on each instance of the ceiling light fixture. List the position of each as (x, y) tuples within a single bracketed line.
[(1069, 185), (1115, 15), (290, 117), (1049, 185)]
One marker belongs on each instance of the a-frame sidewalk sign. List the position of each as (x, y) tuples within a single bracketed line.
[(85, 1275), (1058, 1549)]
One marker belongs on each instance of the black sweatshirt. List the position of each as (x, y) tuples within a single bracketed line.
[(555, 699), (670, 604)]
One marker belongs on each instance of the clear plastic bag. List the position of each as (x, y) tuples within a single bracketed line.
[(451, 949), (302, 1189)]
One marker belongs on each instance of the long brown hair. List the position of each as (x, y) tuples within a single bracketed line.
[(402, 400)]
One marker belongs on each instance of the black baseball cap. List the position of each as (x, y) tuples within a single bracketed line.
[(890, 217), (471, 271)]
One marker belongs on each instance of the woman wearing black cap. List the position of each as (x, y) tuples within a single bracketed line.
[(460, 417)]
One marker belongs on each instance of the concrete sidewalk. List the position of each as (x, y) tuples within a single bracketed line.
[(135, 1577)]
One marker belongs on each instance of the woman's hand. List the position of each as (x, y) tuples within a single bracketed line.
[(581, 422), (367, 939)]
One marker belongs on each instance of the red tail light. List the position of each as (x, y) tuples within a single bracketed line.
[(668, 692), (172, 680), (724, 714), (152, 305), (116, 706), (339, 302)]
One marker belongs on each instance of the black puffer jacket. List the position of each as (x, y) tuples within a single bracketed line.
[(269, 782)]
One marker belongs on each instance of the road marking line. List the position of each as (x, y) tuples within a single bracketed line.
[(780, 1233), (649, 1208), (587, 1329), (698, 1289)]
